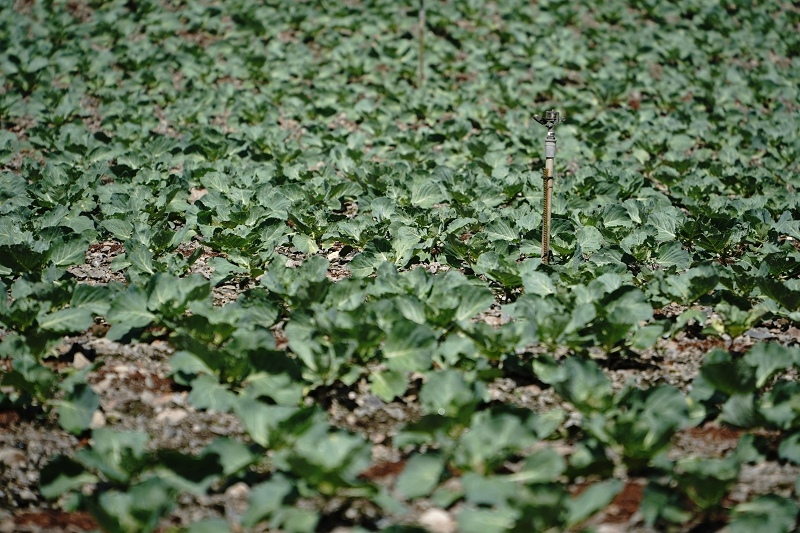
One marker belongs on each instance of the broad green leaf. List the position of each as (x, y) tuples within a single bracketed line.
[(659, 501), (139, 509), (788, 298), (420, 475), (170, 296), (627, 305), (426, 193), (232, 454), (666, 222), (76, 410), (383, 208), (686, 288), (472, 300), (501, 231), (739, 410), (260, 420), (388, 385), (585, 385), (305, 243), (447, 394), (616, 216), (646, 421), (319, 452), (680, 143), (409, 346), (487, 520), (768, 512), (595, 498), (188, 473), (223, 269), (779, 405), (129, 309), (117, 455), (706, 480), (482, 490), (671, 255), (68, 253), (62, 475), (141, 258), (538, 283), (281, 388), (768, 358), (207, 393), (728, 375), (491, 438), (589, 239), (404, 243), (789, 448), (411, 308), (92, 297), (542, 466), (68, 320), (120, 229)]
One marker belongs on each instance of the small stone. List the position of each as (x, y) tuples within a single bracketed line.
[(759, 333), (437, 520), (369, 403), (27, 495), (395, 412), (98, 420), (147, 398), (96, 273), (172, 417), (104, 384), (238, 490), (79, 361), (611, 528), (12, 457), (122, 369), (179, 398)]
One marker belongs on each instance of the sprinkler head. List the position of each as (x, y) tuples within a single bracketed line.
[(550, 119)]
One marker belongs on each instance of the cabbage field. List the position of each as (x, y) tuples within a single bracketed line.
[(276, 266)]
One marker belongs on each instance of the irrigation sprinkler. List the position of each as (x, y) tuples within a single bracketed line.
[(550, 119)]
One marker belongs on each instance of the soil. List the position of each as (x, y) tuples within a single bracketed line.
[(137, 393)]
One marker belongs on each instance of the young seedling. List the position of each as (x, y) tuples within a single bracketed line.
[(550, 119)]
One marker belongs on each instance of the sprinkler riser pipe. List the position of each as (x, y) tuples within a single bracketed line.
[(547, 193), (550, 119), (547, 200)]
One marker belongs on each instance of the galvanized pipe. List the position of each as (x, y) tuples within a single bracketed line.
[(550, 119)]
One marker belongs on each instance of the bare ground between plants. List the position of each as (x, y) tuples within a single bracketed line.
[(136, 393)]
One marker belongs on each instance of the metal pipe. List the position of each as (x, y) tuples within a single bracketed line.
[(550, 119), (421, 51)]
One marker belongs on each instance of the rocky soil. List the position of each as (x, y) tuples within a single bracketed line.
[(137, 393)]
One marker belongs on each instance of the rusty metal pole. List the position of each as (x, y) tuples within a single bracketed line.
[(550, 119)]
